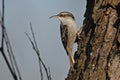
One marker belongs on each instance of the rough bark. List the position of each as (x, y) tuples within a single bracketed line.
[(98, 54)]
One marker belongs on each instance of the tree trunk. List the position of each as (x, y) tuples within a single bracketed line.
[(98, 54)]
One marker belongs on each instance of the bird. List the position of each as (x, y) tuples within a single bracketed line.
[(68, 31)]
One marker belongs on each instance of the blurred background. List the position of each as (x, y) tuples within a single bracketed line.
[(18, 15)]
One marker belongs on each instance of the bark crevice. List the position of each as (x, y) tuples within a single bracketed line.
[(98, 53)]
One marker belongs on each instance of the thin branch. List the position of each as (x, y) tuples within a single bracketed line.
[(2, 24), (41, 73), (30, 40), (11, 55), (37, 50), (50, 78), (2, 43), (7, 62), (9, 48), (3, 11), (5, 58), (34, 38), (34, 44)]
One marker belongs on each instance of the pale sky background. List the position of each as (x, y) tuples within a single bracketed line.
[(18, 14)]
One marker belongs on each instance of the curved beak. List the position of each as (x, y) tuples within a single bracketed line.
[(54, 16)]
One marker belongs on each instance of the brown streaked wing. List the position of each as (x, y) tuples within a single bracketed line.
[(64, 35)]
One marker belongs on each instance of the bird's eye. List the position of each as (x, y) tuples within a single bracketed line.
[(61, 15)]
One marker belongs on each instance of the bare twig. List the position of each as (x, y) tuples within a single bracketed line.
[(2, 24), (35, 50), (13, 66), (34, 39), (11, 56), (2, 43), (50, 78), (34, 44), (7, 62), (41, 72)]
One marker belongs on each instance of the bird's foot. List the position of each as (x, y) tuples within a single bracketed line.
[(78, 33)]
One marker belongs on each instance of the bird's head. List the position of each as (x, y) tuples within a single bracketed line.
[(64, 17)]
